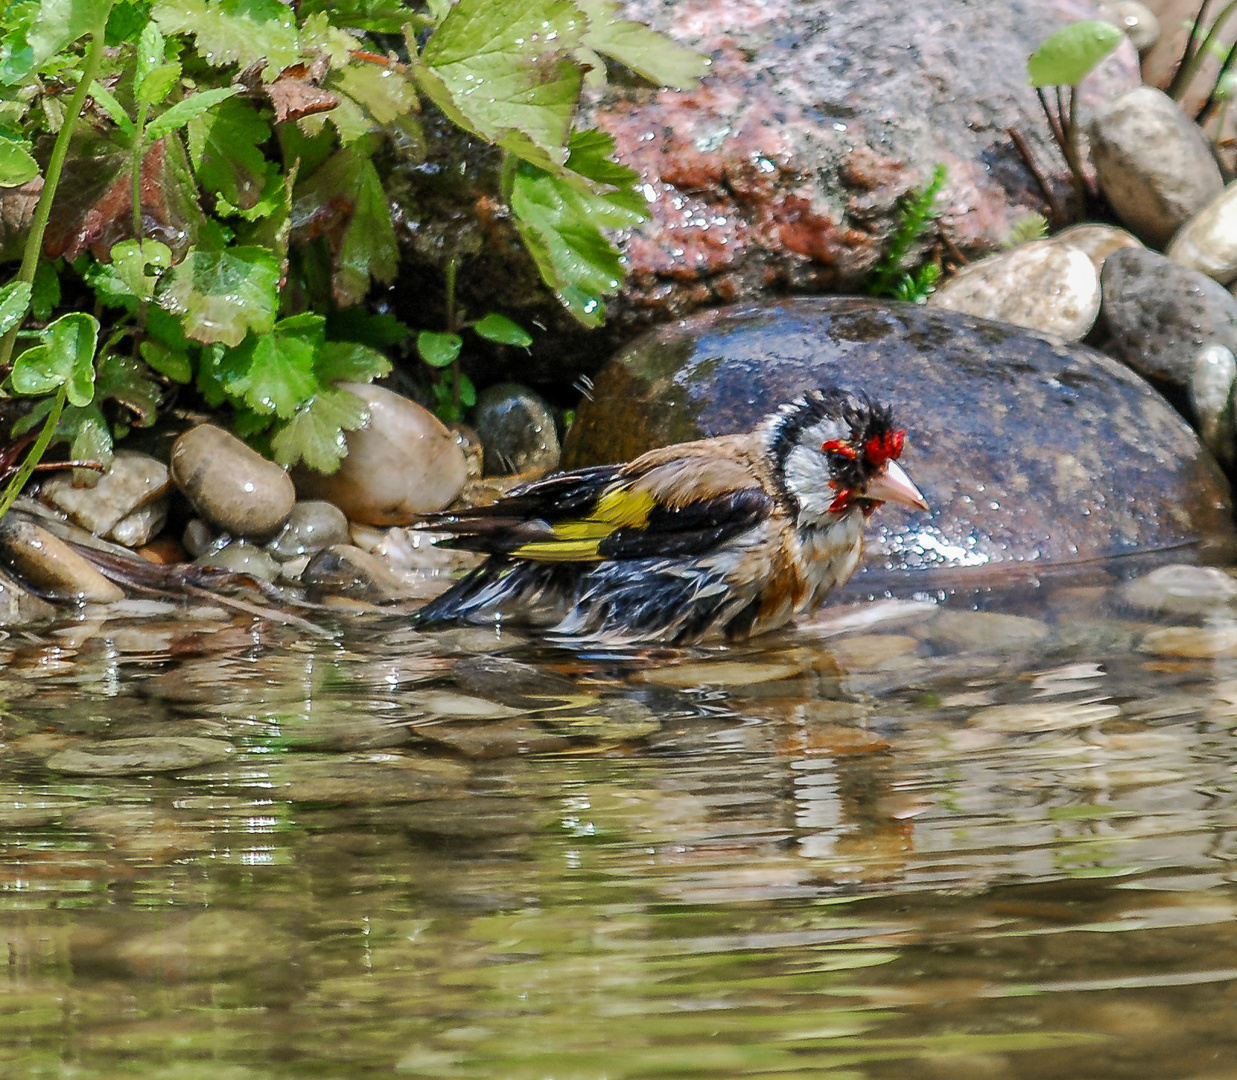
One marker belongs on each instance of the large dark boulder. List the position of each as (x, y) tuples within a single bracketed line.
[(1032, 452)]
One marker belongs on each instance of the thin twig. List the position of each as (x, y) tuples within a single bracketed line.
[(1024, 152)]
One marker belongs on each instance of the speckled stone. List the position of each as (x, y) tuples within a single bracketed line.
[(231, 485), (1157, 315), (1135, 18), (1153, 162), (1040, 285), (50, 565), (1027, 450), (784, 170), (1212, 382), (132, 481), (1179, 589), (402, 463), (1208, 241), (517, 429), (1097, 242)]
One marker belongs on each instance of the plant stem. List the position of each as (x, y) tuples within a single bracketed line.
[(1213, 99), (1191, 65), (453, 329), (1073, 154), (51, 180), (139, 145), (37, 451)]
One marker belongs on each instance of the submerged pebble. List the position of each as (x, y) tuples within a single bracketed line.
[(1180, 589), (135, 756)]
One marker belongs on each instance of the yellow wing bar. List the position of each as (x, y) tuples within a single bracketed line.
[(580, 540)]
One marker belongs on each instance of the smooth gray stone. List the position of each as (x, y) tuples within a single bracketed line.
[(1031, 452)]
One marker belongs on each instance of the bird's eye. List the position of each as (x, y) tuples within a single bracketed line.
[(881, 448), (838, 446)]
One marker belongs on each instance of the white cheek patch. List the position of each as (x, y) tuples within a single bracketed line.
[(807, 478), (826, 430)]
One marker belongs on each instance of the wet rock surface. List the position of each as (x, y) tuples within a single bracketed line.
[(1157, 315), (402, 463), (784, 169), (231, 485), (517, 430), (1208, 242), (1029, 451)]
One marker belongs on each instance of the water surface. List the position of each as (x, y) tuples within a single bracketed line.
[(912, 840)]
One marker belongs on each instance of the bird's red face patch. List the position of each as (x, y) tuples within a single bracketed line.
[(839, 446), (884, 447)]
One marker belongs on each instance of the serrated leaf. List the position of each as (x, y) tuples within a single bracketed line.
[(315, 435), (14, 303), (183, 111), (140, 266), (62, 22), (1067, 57), (274, 372), (17, 166), (561, 223), (150, 47), (158, 84), (502, 331), (349, 361), (385, 94), (107, 101), (225, 151), (223, 294), (345, 200), (235, 31), (126, 381), (438, 350), (647, 52), (126, 22), (471, 69), (171, 365)]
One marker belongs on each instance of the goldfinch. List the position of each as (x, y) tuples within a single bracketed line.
[(719, 538)]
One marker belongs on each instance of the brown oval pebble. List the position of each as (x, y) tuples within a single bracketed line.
[(231, 485)]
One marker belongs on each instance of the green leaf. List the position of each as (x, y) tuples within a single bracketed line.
[(365, 247), (126, 21), (158, 84), (274, 372), (381, 97), (16, 164), (14, 303), (315, 435), (494, 68), (502, 331), (183, 111), (438, 350), (356, 324), (62, 22), (141, 265), (72, 339), (225, 151), (172, 365), (114, 109), (16, 55), (125, 380), (1067, 57), (561, 224), (223, 294), (468, 392), (349, 361), (645, 51), (46, 293), (150, 49), (235, 31), (85, 430)]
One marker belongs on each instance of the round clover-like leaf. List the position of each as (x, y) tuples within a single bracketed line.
[(438, 350), (1070, 55)]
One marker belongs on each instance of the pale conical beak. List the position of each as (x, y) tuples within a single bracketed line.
[(892, 484)]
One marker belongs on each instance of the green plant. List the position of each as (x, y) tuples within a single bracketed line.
[(220, 214), (1026, 228), (915, 218), (1204, 41), (1062, 62), (455, 392)]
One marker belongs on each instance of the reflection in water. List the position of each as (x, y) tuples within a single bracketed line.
[(909, 840)]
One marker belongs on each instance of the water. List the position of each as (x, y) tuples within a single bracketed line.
[(913, 841)]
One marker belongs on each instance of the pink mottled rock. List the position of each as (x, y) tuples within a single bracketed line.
[(784, 170)]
